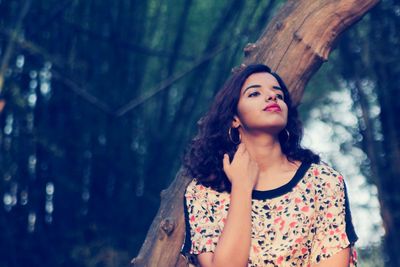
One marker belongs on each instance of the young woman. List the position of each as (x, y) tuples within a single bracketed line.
[(258, 198)]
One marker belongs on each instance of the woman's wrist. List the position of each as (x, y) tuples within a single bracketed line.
[(242, 188)]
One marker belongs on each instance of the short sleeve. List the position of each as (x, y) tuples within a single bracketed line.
[(202, 230), (334, 227)]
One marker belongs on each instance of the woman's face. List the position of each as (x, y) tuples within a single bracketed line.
[(261, 106)]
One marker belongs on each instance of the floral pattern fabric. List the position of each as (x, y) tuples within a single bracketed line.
[(298, 224)]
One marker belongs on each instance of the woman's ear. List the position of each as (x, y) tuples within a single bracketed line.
[(236, 121)]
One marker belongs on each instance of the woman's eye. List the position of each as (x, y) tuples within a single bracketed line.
[(253, 94)]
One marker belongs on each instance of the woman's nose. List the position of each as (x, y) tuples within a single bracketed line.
[(270, 97)]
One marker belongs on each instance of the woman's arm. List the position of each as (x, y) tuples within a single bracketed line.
[(340, 259), (334, 238), (233, 247), (234, 244)]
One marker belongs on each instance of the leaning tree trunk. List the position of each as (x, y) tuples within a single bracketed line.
[(295, 44)]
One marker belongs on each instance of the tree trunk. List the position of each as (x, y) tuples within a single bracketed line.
[(295, 44)]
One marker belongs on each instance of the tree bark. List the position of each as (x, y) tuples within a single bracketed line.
[(295, 44)]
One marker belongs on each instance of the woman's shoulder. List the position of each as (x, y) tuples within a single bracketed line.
[(196, 189), (326, 175), (324, 168)]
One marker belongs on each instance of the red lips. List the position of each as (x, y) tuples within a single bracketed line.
[(272, 107)]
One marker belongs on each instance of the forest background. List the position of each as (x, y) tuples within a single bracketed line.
[(99, 99)]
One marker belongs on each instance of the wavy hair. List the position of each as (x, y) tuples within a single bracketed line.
[(203, 156)]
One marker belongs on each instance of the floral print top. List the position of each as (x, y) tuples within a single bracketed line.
[(299, 223)]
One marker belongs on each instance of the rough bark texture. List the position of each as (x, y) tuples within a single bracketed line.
[(295, 44), (301, 36), (166, 234)]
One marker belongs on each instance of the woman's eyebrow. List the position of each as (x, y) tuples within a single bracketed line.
[(258, 86)]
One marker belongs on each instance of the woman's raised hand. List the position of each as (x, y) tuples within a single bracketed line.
[(243, 171)]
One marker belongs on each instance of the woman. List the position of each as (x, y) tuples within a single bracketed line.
[(258, 198)]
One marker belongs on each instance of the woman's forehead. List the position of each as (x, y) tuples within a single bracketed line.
[(261, 78)]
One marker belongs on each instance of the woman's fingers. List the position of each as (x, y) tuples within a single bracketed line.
[(241, 165), (241, 153), (225, 161), (226, 166), (240, 148), (241, 156)]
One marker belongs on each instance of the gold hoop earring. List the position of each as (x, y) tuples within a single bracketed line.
[(230, 136)]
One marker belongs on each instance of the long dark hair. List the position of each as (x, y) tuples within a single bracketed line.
[(203, 157)]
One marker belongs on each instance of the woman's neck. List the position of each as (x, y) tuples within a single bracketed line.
[(266, 150)]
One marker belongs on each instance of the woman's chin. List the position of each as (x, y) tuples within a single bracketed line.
[(271, 129)]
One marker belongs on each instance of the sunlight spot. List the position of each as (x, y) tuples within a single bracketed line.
[(50, 188), (32, 99), (49, 207), (24, 198), (45, 88), (31, 222), (7, 200), (20, 61)]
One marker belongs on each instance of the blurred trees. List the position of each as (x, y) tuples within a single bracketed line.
[(102, 97), (370, 66)]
